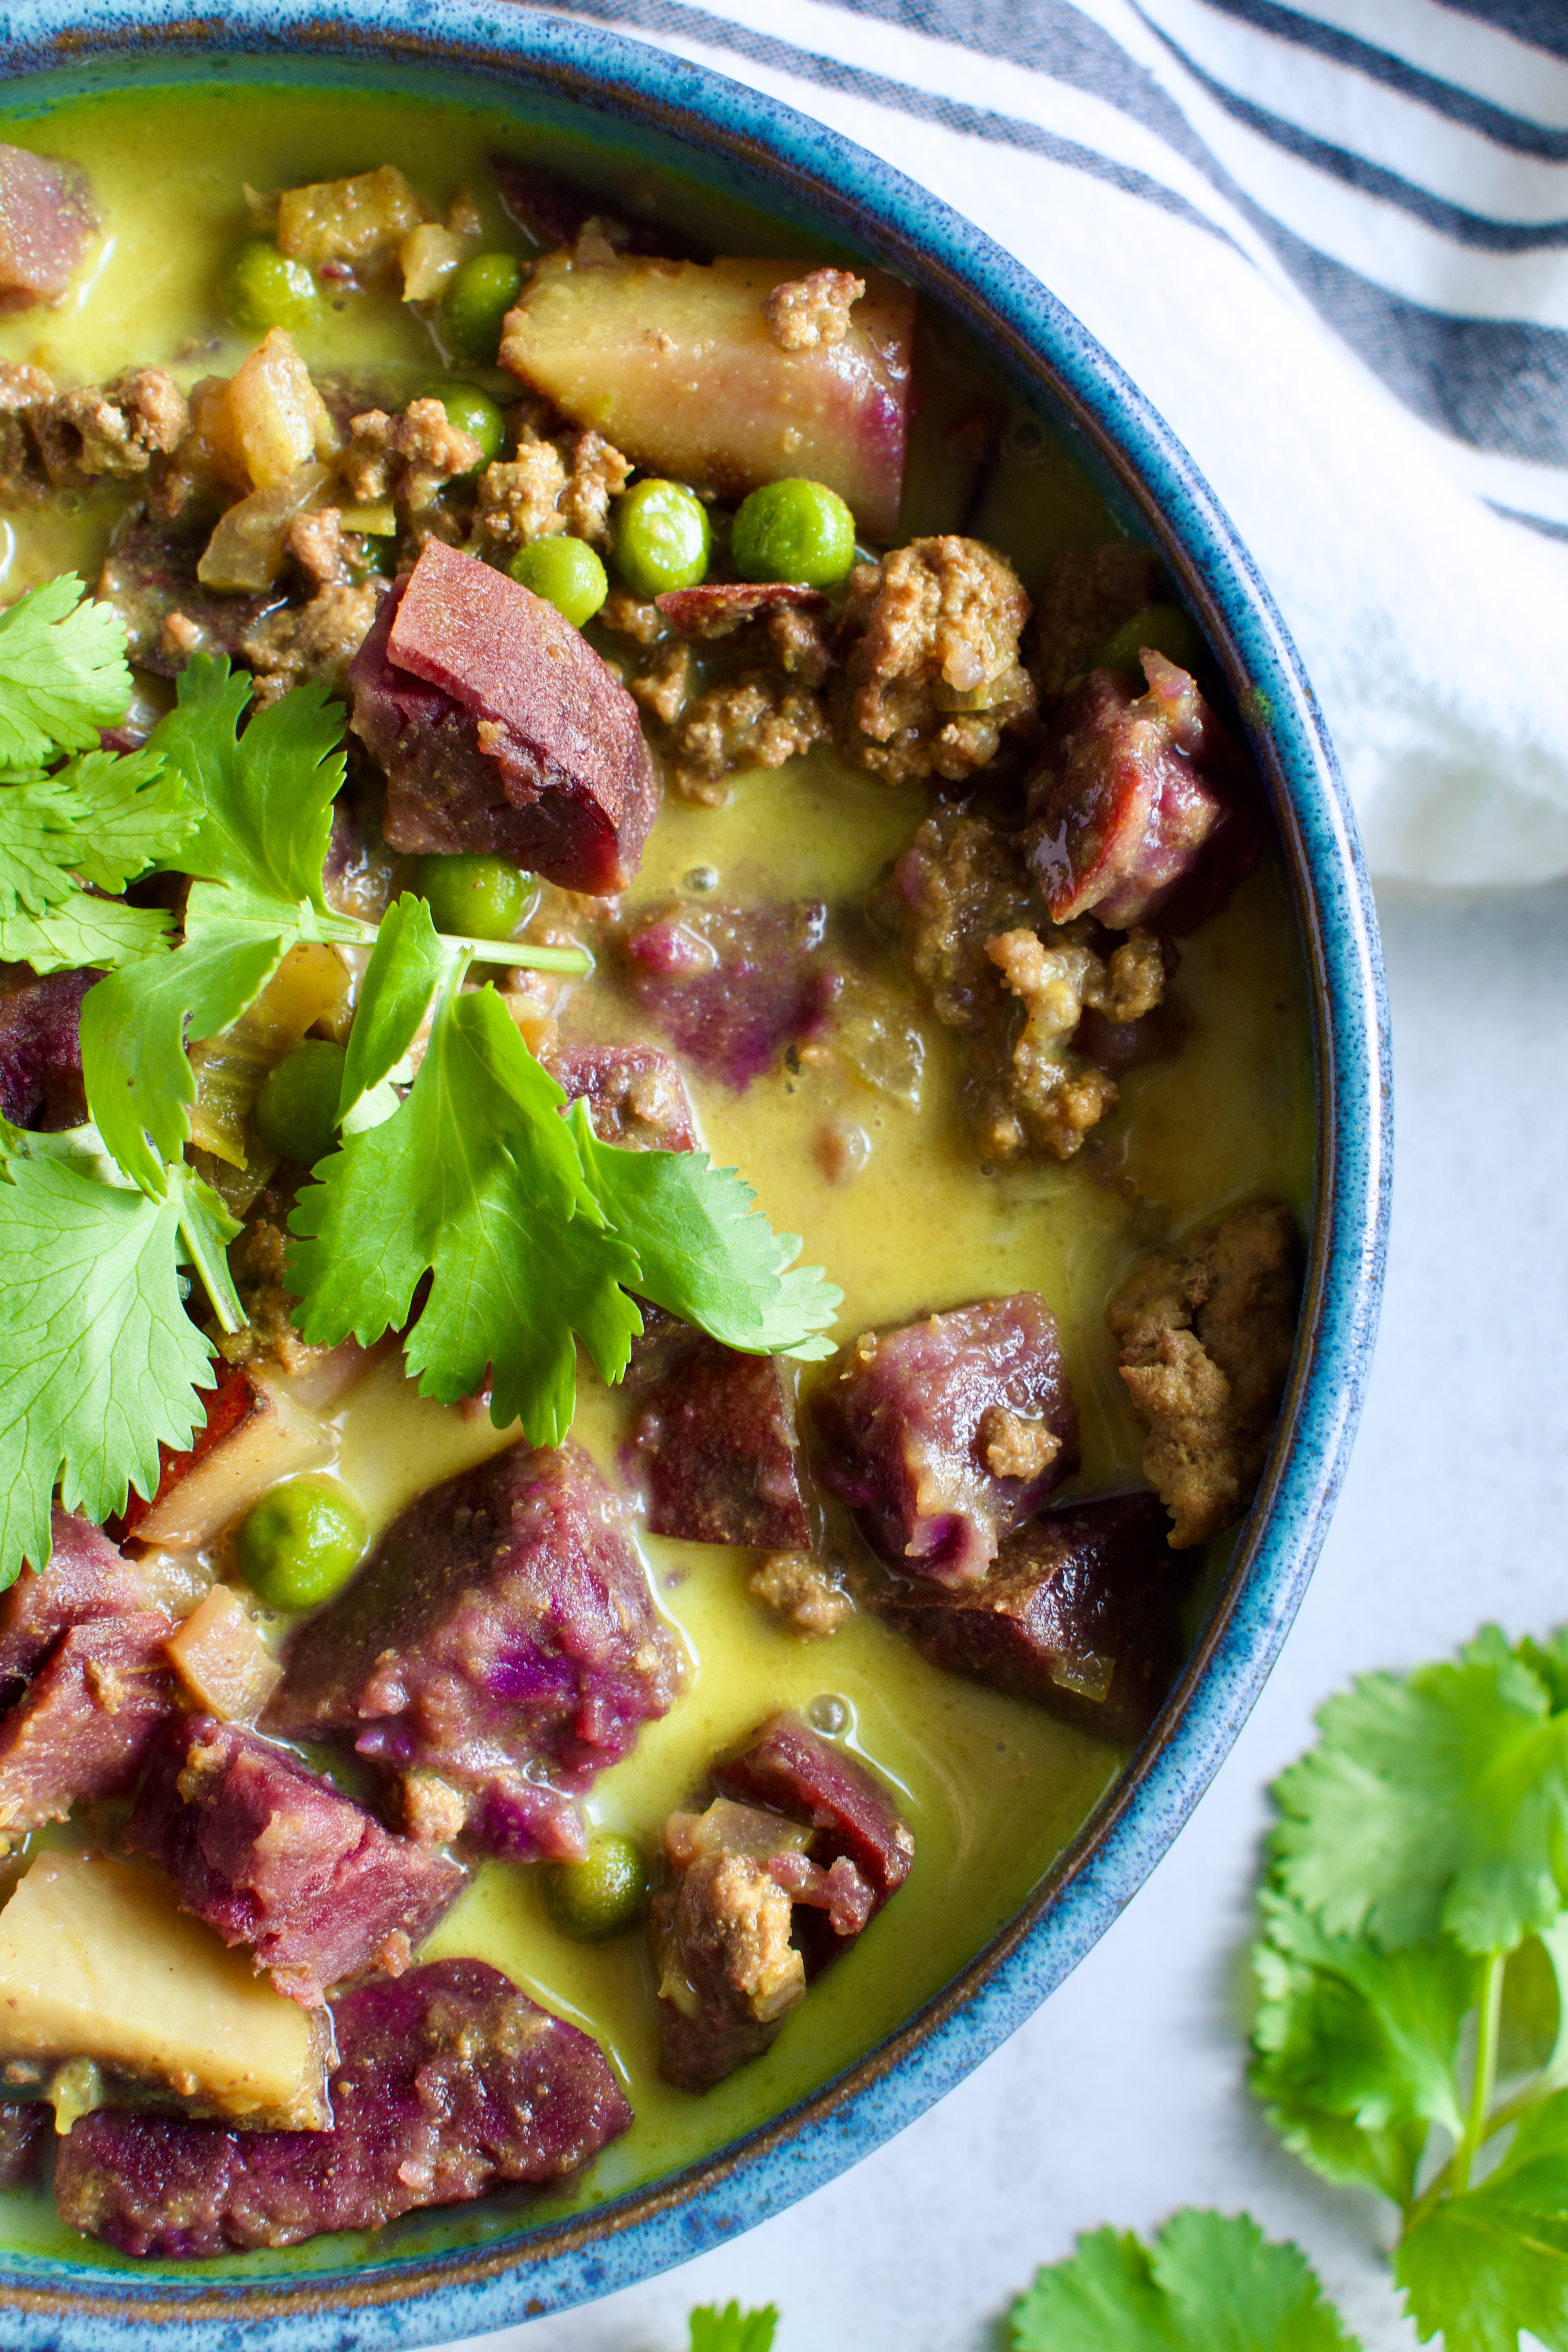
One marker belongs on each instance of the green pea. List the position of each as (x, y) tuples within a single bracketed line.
[(261, 288), (475, 304), (793, 530), (1167, 627), (475, 895), (601, 1895), (566, 573), (296, 1112), (300, 1542), (661, 538), (473, 411)]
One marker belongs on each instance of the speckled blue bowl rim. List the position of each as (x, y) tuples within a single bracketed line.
[(57, 2307)]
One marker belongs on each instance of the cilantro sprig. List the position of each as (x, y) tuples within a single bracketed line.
[(1412, 2035), (1208, 2283), (532, 1233), (732, 2329)]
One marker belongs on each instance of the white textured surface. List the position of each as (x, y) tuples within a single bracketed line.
[(1124, 2097)]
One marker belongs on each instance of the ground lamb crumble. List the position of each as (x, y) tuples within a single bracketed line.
[(803, 1592), (561, 485), (1206, 1331), (1088, 592), (805, 313), (981, 944), (931, 679)]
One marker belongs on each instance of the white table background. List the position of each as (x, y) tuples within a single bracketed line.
[(1124, 2097)]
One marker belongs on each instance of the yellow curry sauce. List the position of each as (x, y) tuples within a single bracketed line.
[(993, 1787)]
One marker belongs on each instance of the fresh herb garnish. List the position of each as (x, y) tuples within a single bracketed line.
[(732, 2329), (1208, 2283), (1414, 1916), (532, 1230)]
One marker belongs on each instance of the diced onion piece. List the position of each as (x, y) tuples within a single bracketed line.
[(430, 255), (222, 1660), (275, 1439), (245, 549)]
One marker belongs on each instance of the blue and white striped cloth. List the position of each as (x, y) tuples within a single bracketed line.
[(1331, 245)]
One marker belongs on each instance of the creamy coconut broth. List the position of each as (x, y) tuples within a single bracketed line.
[(887, 1182)]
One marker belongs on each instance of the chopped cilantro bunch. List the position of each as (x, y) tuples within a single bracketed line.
[(1413, 2033), (532, 1232)]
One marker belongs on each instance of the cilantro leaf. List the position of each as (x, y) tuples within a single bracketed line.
[(704, 1254), (1210, 2283), (82, 931), (99, 1360), (475, 1180), (399, 987), (140, 1082), (63, 677), (1437, 1800), (265, 798), (732, 2329), (1356, 2050), (128, 813), (1483, 2264)]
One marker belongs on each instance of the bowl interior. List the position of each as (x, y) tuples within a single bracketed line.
[(701, 151)]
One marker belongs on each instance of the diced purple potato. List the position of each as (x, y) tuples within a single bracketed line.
[(23, 2136), (674, 363), (40, 1050), (449, 2083), (787, 1768), (1144, 809), (716, 608), (913, 1421), (500, 728), (618, 1080), (149, 572), (839, 1892), (551, 211), (87, 1578), (732, 986), (715, 1446), (46, 222), (273, 1856), (83, 1726), (727, 1974), (504, 1636), (1078, 1613)]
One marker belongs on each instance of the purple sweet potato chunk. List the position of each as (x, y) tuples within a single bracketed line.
[(732, 986), (149, 572), (24, 2136), (45, 221), (787, 1768), (552, 210), (1078, 1613), (718, 607), (1144, 809), (273, 1856), (943, 1435), (500, 728), (727, 1973), (40, 1050), (87, 1578), (714, 1445), (634, 1093), (449, 2083), (84, 1725), (503, 1637)]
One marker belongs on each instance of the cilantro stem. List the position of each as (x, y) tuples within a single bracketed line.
[(1488, 2021), (518, 952)]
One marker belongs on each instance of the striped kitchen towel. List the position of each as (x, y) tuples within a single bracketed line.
[(1330, 244)]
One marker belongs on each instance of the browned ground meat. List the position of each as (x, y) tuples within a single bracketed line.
[(118, 429), (1088, 592), (565, 483), (747, 694), (981, 944), (23, 390), (932, 680), (756, 721), (317, 640), (806, 312), (410, 458), (1207, 1329), (803, 1592)]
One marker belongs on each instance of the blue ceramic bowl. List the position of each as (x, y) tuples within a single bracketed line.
[(568, 76)]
